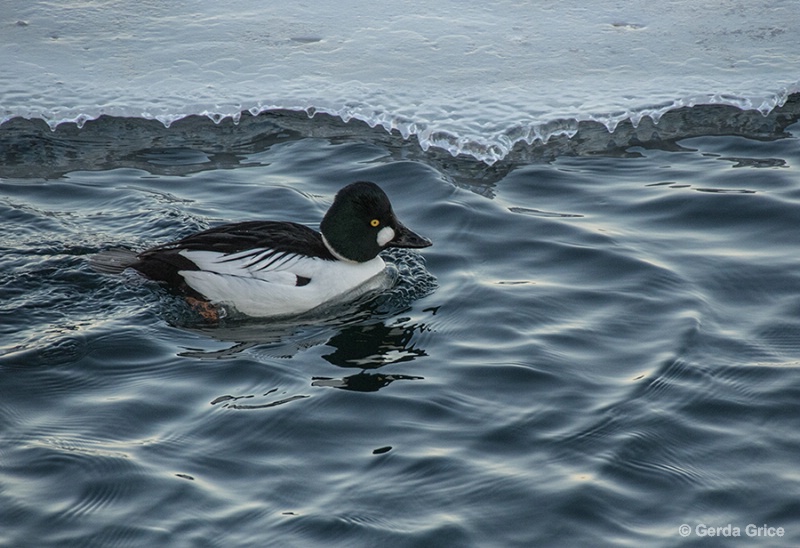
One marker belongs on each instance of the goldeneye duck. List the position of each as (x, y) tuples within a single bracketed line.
[(279, 268)]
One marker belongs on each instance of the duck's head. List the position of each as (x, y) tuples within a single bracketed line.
[(361, 223)]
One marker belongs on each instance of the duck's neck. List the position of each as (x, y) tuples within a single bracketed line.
[(336, 254)]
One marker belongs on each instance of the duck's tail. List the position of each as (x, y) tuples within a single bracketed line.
[(112, 261)]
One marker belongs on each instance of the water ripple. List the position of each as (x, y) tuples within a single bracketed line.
[(587, 338)]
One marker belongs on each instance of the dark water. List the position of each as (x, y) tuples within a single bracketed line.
[(601, 346)]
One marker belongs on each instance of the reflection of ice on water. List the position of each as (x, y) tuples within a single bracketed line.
[(230, 401)]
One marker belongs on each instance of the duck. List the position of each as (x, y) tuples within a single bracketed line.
[(279, 268)]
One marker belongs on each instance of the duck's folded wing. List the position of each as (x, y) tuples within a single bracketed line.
[(266, 265), (265, 250), (238, 238)]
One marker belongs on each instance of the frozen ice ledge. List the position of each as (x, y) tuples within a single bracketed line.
[(237, 129)]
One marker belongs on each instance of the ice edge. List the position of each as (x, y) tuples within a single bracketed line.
[(489, 148)]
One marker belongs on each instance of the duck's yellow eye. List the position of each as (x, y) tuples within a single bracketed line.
[(374, 222)]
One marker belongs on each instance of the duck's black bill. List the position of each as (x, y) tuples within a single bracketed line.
[(404, 237)]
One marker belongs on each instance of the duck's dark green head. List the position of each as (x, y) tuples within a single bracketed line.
[(361, 223)]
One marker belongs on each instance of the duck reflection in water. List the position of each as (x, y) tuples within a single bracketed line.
[(366, 347), (366, 334), (370, 347)]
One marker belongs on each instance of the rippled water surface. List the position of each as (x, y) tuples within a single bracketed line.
[(597, 349)]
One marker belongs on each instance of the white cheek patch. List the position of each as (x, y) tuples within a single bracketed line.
[(385, 235)]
